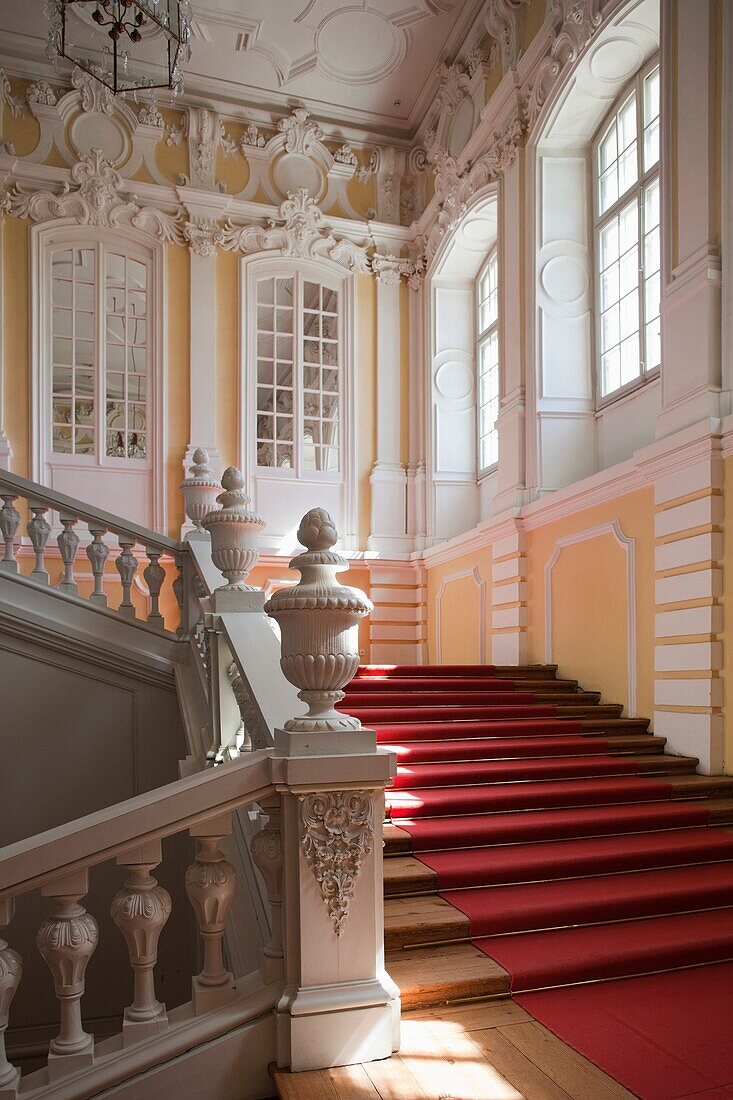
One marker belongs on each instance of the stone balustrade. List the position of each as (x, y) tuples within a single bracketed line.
[(58, 864), (122, 557)]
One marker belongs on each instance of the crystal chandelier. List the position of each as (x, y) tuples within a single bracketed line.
[(128, 45)]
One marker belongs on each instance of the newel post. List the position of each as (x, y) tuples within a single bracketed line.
[(339, 1006)]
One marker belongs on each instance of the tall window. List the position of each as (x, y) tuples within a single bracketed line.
[(299, 363), (99, 354), (487, 357), (628, 236)]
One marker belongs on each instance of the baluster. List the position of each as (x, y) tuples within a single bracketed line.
[(9, 520), (140, 910), (11, 969), (210, 883), (126, 564), (178, 593), (267, 852), (154, 574), (68, 543), (38, 531), (98, 552), (67, 940)]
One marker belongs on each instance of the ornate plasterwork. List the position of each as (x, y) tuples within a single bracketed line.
[(41, 92), (503, 24), (338, 830), (94, 95), (6, 96), (301, 136), (96, 199), (575, 22), (455, 85), (151, 116), (346, 155), (251, 138), (474, 59), (303, 234)]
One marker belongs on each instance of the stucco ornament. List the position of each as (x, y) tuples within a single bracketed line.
[(319, 623), (93, 197), (234, 530), (575, 23), (301, 136), (338, 830)]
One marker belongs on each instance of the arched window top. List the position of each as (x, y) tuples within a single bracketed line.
[(627, 234)]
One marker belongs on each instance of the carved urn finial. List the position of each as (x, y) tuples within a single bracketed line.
[(234, 530), (319, 624), (199, 488)]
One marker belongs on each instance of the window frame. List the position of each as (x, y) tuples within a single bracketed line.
[(599, 221), (482, 337), (45, 239)]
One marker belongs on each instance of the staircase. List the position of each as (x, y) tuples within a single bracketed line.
[(537, 838)]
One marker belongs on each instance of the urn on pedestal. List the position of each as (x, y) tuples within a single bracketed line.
[(199, 488), (234, 530), (319, 624)]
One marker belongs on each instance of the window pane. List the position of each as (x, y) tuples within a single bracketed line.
[(651, 119)]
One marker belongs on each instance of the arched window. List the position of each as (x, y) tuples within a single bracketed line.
[(627, 235), (97, 358), (487, 359)]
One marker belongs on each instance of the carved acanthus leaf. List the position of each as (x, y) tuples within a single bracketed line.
[(95, 96), (301, 136), (475, 58), (346, 155), (338, 831), (454, 85), (575, 23), (6, 96), (94, 199), (251, 137)]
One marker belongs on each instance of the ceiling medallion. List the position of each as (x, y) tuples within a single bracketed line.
[(127, 45)]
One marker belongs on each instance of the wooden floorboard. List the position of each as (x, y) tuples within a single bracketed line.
[(453, 971), (488, 1050)]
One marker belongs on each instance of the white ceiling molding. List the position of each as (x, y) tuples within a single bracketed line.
[(503, 22), (573, 27)]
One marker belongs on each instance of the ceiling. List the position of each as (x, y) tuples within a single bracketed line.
[(363, 66)]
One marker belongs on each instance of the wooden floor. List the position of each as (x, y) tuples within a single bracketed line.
[(487, 1050)]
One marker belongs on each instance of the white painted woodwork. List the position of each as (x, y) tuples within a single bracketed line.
[(388, 479), (202, 351), (6, 450)]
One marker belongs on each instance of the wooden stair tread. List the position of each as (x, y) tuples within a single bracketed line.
[(408, 875), (701, 786), (422, 919), (436, 975)]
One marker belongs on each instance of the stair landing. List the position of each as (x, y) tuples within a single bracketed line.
[(488, 1050)]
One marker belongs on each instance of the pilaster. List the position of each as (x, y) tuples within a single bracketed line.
[(202, 384), (398, 623), (688, 690), (692, 381), (388, 479), (509, 596)]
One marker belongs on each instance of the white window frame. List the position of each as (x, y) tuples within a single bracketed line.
[(482, 337), (644, 178), (45, 240), (337, 278)]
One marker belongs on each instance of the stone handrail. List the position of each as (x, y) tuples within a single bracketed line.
[(58, 863), (71, 512)]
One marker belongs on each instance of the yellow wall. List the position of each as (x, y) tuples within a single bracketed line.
[(454, 606), (590, 611), (589, 599), (727, 602)]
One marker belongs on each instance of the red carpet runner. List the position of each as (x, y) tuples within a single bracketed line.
[(570, 862)]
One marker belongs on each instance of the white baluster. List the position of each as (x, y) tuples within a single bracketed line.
[(9, 521), (67, 940), (38, 531), (68, 542), (11, 969), (178, 593), (210, 883), (140, 910), (267, 852), (126, 564), (98, 552), (154, 574)]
